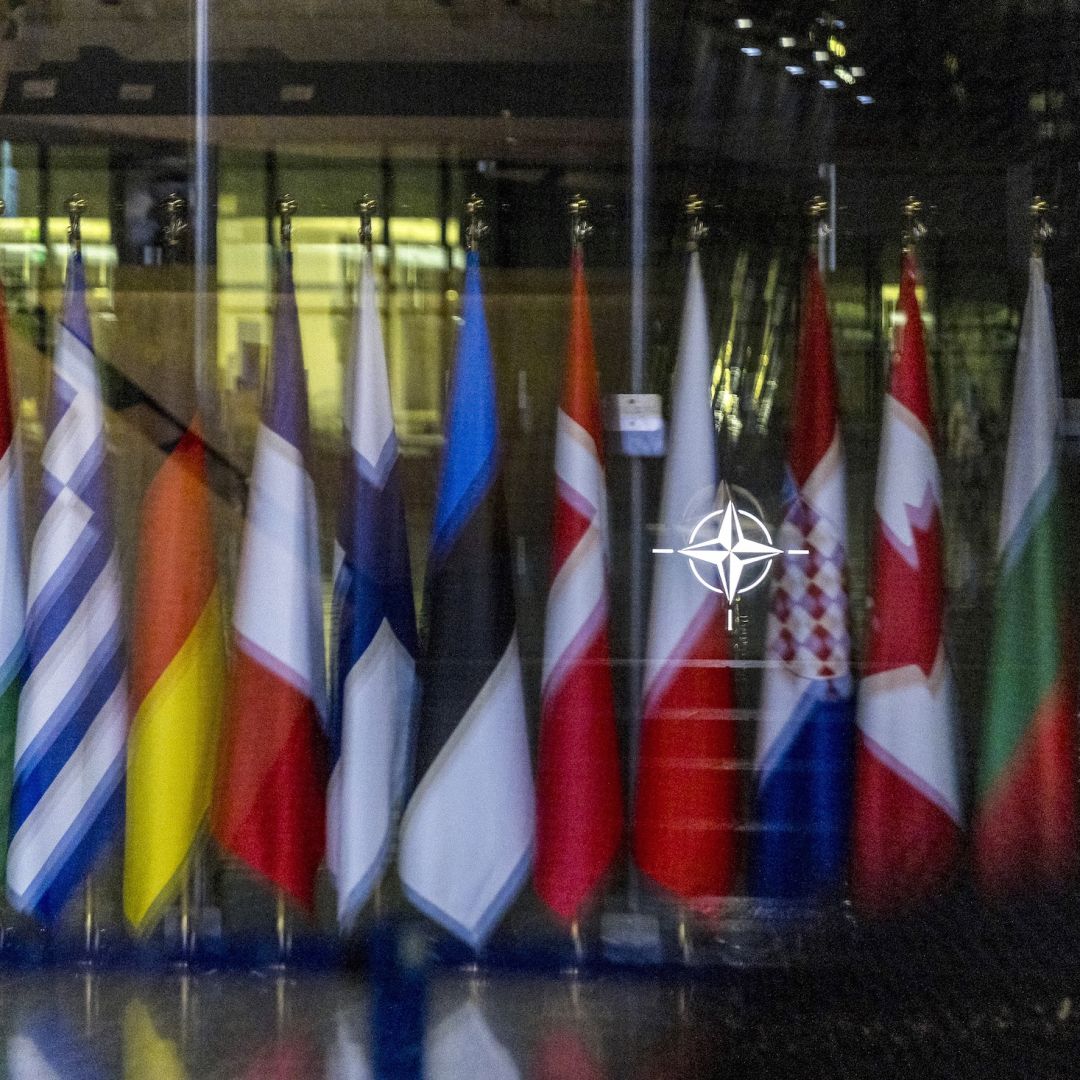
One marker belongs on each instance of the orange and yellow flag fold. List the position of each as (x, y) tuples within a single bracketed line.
[(177, 676)]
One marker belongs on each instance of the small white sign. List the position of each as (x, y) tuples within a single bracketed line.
[(638, 422)]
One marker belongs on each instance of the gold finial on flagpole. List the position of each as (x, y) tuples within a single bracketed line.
[(696, 229), (816, 208), (1041, 229), (76, 207), (580, 229), (175, 207), (477, 229), (286, 207), (366, 207), (914, 228)]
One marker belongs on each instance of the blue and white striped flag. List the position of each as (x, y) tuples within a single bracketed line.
[(374, 627), (69, 747)]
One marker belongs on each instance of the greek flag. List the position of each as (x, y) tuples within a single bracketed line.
[(69, 745)]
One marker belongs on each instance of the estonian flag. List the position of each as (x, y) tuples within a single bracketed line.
[(467, 832)]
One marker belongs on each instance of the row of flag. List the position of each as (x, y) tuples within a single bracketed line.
[(289, 766)]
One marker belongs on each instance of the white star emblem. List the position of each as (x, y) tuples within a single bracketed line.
[(729, 551)]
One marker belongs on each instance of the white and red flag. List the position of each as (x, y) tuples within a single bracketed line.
[(907, 800), (687, 785), (579, 794)]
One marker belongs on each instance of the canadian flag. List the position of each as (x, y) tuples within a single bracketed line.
[(907, 802)]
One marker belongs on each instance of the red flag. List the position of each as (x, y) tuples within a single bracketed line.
[(579, 797), (687, 786), (907, 801)]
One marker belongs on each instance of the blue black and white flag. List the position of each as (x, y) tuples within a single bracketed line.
[(375, 641), (67, 795), (467, 832)]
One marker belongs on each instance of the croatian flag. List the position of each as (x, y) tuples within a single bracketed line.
[(684, 816), (906, 830), (805, 728), (467, 832), (271, 811), (68, 789), (374, 627)]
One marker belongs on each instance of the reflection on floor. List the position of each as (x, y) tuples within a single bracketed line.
[(76, 1026)]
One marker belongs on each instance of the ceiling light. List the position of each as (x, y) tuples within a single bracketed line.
[(829, 84), (750, 50), (744, 24), (820, 55), (795, 69), (787, 43), (864, 99)]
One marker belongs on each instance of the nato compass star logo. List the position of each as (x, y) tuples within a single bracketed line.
[(730, 550)]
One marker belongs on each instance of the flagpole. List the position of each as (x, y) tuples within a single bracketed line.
[(175, 207), (366, 207), (580, 230), (286, 207), (76, 207), (696, 231)]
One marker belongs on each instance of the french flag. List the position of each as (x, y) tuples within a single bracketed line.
[(271, 813)]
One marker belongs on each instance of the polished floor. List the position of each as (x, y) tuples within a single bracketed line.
[(953, 990), (73, 1025)]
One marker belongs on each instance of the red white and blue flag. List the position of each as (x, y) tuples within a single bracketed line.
[(271, 807), (805, 729)]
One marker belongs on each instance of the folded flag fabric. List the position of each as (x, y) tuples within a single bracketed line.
[(12, 586), (374, 631), (687, 786), (579, 796), (805, 733), (906, 829), (271, 812), (177, 684), (1025, 826), (467, 832), (68, 790)]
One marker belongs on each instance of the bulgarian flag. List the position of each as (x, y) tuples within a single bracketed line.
[(12, 587), (1025, 826)]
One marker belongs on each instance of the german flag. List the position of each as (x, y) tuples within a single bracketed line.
[(177, 679)]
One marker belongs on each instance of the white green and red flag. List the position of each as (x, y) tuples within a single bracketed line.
[(1025, 826), (906, 829)]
